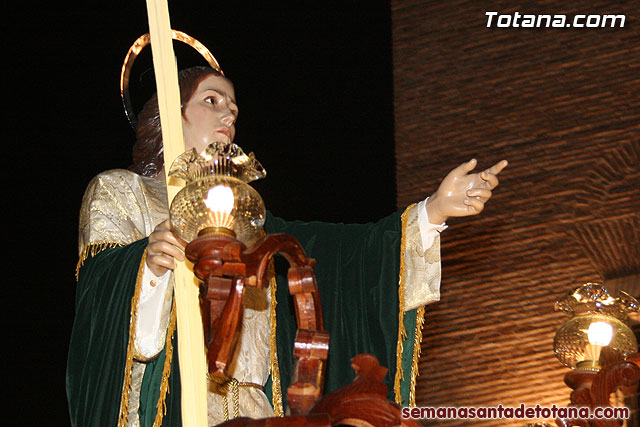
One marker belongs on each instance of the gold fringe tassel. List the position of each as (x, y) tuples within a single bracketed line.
[(93, 249), (417, 340), (402, 333), (126, 386), (166, 370), (276, 389)]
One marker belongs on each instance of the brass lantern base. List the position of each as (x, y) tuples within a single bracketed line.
[(216, 231), (588, 365)]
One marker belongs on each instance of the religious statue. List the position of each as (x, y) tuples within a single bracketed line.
[(374, 280)]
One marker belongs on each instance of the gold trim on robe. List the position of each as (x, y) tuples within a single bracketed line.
[(276, 388), (418, 285), (126, 385)]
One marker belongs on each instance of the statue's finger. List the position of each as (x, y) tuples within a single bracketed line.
[(482, 193), (164, 225), (497, 168), (474, 205), (170, 237), (168, 248), (165, 261), (465, 167), (490, 178)]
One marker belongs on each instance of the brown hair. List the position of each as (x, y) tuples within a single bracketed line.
[(147, 150)]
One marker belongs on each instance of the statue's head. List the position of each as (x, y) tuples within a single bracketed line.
[(209, 112)]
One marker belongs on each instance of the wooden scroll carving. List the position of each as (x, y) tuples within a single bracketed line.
[(225, 266), (364, 401), (593, 389)]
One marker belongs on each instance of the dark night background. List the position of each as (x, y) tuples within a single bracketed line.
[(314, 86)]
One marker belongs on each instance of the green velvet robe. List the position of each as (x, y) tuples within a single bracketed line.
[(358, 268)]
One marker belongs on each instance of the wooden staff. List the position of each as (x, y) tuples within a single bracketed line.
[(191, 352)]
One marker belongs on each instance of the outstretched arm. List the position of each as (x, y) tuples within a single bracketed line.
[(462, 193)]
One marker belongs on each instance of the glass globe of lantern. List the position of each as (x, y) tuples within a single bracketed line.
[(217, 198), (598, 325)]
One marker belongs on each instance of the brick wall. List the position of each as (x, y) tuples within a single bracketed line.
[(563, 106)]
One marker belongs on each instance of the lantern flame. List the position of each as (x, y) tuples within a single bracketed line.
[(600, 333), (220, 202)]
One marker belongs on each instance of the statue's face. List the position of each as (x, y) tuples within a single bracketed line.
[(210, 114)]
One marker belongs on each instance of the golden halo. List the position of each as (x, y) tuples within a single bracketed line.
[(133, 52)]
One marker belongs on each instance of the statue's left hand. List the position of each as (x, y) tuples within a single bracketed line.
[(462, 193)]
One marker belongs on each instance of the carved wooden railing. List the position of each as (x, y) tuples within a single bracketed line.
[(363, 403), (226, 267), (593, 389)]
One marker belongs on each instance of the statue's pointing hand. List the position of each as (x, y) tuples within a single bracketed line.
[(462, 193)]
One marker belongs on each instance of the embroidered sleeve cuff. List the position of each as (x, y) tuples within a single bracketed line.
[(421, 266)]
